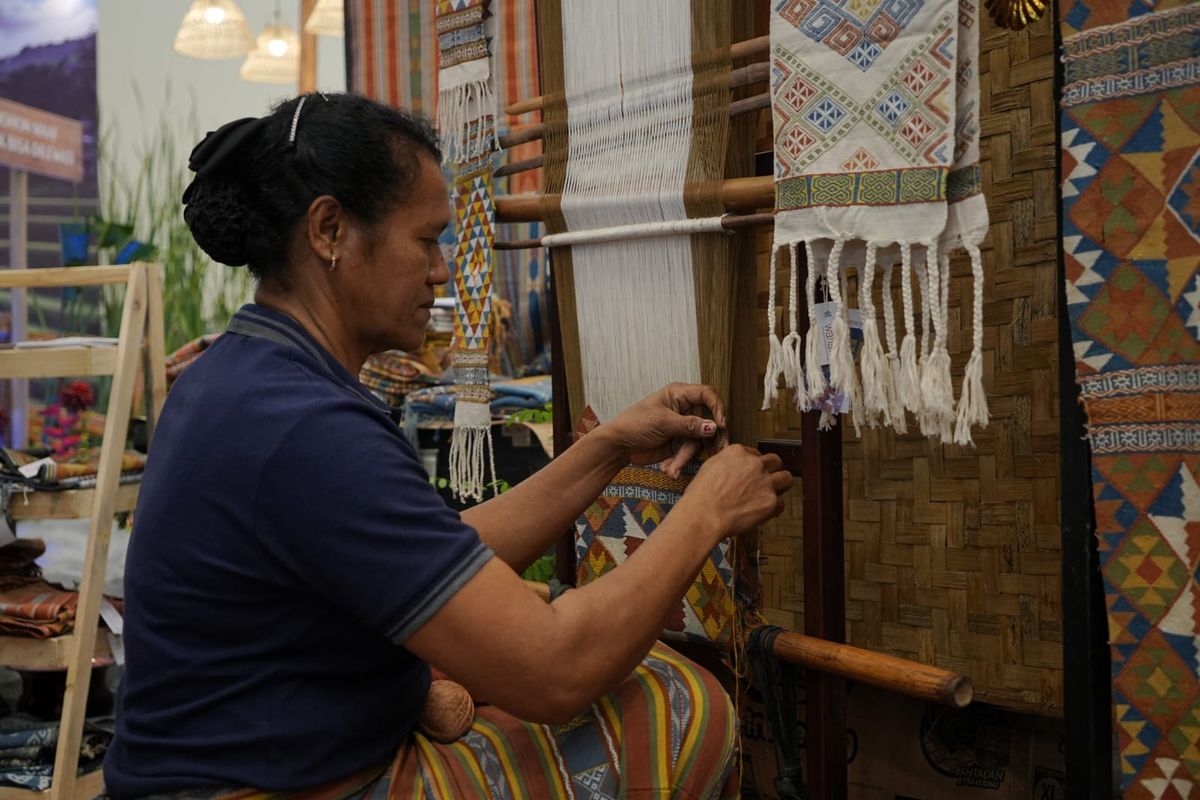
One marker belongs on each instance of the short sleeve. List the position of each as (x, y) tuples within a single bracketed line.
[(346, 507)]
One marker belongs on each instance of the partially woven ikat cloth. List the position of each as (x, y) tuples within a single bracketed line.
[(875, 121)]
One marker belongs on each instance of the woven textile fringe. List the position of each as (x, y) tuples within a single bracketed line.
[(465, 114), (471, 448), (876, 150), (967, 217)]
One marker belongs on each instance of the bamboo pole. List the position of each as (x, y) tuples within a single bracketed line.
[(887, 672), (738, 194), (748, 49), (732, 222), (890, 673)]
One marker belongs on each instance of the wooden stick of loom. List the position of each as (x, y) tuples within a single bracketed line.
[(888, 672), (732, 222), (736, 108), (532, 133), (893, 674), (742, 76), (738, 194)]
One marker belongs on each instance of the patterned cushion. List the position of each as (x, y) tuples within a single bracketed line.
[(631, 509)]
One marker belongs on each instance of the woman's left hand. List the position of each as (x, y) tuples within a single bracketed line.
[(671, 426)]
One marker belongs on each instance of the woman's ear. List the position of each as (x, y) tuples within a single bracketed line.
[(326, 221)]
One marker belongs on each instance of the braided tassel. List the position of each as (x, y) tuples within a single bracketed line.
[(815, 377), (775, 357), (891, 369), (972, 403), (874, 369), (909, 384), (841, 365), (935, 370), (793, 367)]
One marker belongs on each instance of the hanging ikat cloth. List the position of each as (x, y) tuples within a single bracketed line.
[(874, 105), (466, 117)]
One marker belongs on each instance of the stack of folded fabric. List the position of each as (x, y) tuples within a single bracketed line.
[(28, 605), (391, 375), (27, 747), (61, 472), (436, 403)]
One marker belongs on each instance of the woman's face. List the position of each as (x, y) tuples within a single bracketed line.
[(401, 263)]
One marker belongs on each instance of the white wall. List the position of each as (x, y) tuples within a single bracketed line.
[(134, 40)]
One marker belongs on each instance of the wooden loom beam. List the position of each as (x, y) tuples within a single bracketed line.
[(742, 76), (738, 194), (537, 131)]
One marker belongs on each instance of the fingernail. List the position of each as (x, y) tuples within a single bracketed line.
[(708, 428)]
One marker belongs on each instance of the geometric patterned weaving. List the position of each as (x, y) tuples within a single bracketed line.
[(474, 217), (616, 524), (629, 510), (871, 111), (1131, 240)]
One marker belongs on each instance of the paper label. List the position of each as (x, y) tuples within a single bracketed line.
[(112, 618), (835, 402)]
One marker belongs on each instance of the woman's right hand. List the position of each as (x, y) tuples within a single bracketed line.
[(741, 487)]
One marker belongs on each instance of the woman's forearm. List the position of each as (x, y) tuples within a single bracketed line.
[(522, 523)]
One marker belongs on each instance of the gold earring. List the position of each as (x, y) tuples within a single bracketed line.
[(332, 262)]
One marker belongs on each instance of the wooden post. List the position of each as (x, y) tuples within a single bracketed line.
[(308, 50), (18, 258), (824, 602)]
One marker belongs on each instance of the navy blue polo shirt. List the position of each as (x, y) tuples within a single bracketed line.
[(286, 543)]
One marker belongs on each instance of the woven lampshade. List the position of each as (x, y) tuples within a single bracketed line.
[(326, 19), (275, 57), (213, 29)]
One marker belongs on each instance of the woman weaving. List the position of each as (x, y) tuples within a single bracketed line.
[(294, 575)]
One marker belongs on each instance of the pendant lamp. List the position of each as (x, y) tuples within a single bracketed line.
[(213, 29), (275, 57), (326, 19)]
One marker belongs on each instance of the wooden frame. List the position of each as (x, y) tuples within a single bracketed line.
[(141, 332)]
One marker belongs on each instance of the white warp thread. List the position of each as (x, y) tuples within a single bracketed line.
[(628, 81)]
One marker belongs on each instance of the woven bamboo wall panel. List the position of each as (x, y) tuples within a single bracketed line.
[(952, 553)]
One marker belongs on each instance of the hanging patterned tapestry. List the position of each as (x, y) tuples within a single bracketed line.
[(1131, 240), (520, 274), (874, 111), (466, 119), (392, 52)]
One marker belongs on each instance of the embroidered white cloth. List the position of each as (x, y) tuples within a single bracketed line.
[(871, 113)]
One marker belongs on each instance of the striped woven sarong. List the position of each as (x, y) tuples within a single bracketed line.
[(668, 730)]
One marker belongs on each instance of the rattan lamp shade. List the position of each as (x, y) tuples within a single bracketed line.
[(326, 19), (275, 57), (213, 29)]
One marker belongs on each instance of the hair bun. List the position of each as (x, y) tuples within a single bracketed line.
[(217, 213)]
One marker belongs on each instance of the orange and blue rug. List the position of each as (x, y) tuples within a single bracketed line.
[(1131, 239)]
